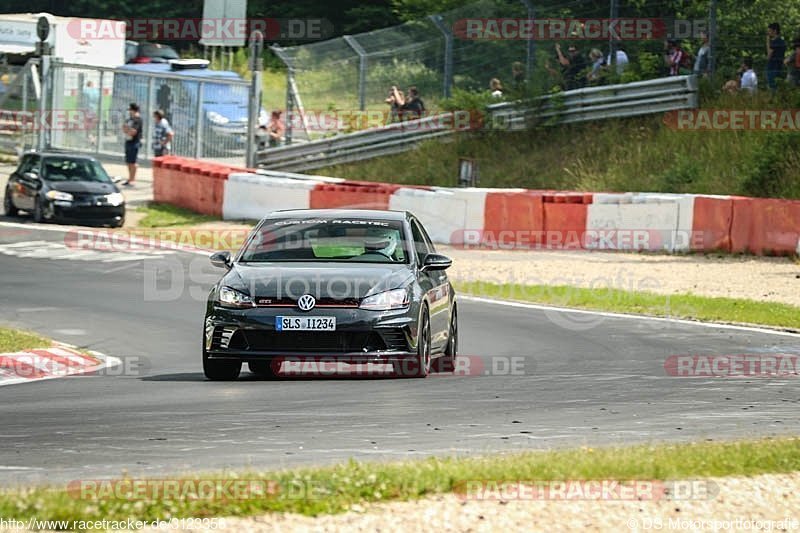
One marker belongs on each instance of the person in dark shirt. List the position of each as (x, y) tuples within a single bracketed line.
[(411, 107), (573, 66), (132, 129), (776, 50)]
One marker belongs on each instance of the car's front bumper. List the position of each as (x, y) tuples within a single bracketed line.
[(361, 336), (67, 211)]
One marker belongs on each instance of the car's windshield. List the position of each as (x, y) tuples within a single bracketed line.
[(335, 239), (73, 169), (157, 50)]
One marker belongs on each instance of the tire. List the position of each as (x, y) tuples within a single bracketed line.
[(38, 215), (267, 369), (447, 362), (8, 205), (220, 370), (419, 366)]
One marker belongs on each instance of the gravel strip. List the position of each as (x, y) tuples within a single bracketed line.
[(762, 500), (775, 279)]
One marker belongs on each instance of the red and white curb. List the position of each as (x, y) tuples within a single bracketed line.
[(57, 361)]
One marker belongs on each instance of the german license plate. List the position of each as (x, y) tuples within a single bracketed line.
[(305, 323)]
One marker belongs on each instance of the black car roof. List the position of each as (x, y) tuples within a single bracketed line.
[(358, 214), (61, 154)]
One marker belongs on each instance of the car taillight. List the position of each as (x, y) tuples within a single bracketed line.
[(141, 60)]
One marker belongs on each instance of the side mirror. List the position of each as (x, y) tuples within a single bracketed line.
[(436, 262), (221, 259), (32, 176), (117, 179)]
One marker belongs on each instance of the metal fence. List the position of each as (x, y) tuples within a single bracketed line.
[(595, 103), (20, 91), (82, 109)]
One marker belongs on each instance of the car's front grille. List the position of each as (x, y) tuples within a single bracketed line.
[(313, 341), (271, 301)]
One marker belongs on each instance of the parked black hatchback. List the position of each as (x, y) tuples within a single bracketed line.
[(53, 186)]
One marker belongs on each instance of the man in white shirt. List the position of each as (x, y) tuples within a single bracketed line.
[(749, 81), (621, 61)]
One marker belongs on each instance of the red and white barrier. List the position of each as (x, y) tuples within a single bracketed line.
[(506, 218), (49, 363)]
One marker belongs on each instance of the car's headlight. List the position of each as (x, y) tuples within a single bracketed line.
[(232, 298), (59, 195), (384, 301), (216, 118), (115, 198)]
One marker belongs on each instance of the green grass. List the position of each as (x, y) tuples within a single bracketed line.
[(313, 491), (688, 306), (14, 340), (166, 215), (637, 154)]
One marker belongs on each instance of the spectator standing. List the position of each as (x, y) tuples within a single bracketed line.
[(702, 65), (776, 50), (412, 107), (132, 129), (275, 129), (394, 100), (621, 60), (518, 78), (496, 88), (792, 63), (598, 62), (162, 134), (749, 80), (674, 57), (573, 64)]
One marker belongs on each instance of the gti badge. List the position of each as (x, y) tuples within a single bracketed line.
[(306, 302)]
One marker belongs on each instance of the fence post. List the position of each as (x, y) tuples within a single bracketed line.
[(362, 69), (254, 102), (47, 72), (613, 15), (146, 117), (448, 52), (201, 123), (530, 52), (99, 116), (712, 36)]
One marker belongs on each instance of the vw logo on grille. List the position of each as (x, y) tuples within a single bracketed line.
[(306, 302)]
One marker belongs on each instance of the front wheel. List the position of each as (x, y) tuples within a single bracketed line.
[(447, 362), (220, 369), (8, 205), (419, 366), (38, 214)]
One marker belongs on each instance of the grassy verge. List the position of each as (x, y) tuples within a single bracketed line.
[(334, 489), (14, 340), (166, 215), (715, 309)]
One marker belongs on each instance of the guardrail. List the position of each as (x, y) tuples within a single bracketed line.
[(594, 103), (598, 103)]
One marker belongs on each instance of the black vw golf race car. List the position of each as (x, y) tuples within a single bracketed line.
[(353, 286)]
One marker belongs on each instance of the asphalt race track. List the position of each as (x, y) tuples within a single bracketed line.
[(580, 379)]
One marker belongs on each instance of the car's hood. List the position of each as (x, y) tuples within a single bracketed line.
[(89, 187), (335, 281)]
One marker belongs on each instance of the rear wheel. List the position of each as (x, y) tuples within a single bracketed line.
[(220, 369), (8, 205), (419, 366), (447, 362), (265, 369)]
